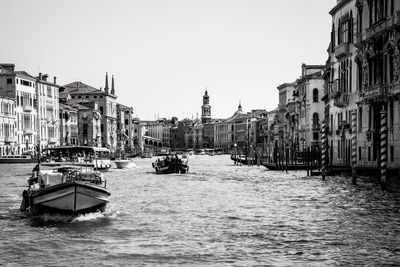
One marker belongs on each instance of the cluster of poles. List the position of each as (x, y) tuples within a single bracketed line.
[(285, 158)]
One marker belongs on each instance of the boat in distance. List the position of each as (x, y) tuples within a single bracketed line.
[(125, 163), (171, 164), (64, 188), (17, 159)]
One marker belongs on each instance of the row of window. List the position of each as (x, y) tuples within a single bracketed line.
[(79, 96)]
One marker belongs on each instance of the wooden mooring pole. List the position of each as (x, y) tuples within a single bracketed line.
[(323, 155), (383, 147), (354, 146)]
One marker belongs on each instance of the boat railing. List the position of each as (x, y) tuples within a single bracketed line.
[(91, 177)]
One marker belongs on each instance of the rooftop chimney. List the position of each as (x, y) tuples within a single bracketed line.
[(40, 76), (55, 80), (44, 76)]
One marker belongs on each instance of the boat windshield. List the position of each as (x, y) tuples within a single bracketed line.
[(73, 153)]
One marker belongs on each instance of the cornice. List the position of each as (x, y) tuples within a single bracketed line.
[(339, 6)]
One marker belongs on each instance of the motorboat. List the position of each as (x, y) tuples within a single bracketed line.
[(171, 164), (65, 188), (125, 163)]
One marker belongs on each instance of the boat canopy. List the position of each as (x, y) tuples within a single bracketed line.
[(83, 151)]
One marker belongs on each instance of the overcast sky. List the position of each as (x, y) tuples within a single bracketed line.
[(164, 53)]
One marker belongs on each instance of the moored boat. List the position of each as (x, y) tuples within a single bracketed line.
[(171, 164)]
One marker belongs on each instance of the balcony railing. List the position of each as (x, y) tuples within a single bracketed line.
[(27, 108), (53, 140), (28, 131), (342, 100), (342, 50), (9, 139)]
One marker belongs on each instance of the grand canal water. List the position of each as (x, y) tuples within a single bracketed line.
[(217, 214)]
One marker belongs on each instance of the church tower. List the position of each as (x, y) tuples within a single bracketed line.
[(206, 109)]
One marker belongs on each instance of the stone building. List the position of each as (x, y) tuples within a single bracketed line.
[(377, 82), (68, 125), (7, 126), (231, 131), (310, 107), (48, 111), (21, 87), (206, 109), (286, 131), (106, 101), (89, 123)]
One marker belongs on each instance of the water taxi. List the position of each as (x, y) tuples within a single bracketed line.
[(172, 163), (59, 186)]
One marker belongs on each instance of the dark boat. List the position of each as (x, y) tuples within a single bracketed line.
[(243, 160), (171, 164), (275, 166)]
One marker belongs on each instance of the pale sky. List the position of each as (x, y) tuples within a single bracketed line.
[(163, 53)]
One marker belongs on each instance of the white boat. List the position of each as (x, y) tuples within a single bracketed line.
[(65, 189), (125, 163), (77, 156)]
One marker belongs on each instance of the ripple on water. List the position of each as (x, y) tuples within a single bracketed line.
[(217, 214)]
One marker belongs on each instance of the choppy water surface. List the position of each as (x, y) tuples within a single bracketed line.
[(218, 214)]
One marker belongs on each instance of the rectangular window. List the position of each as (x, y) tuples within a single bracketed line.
[(102, 127), (391, 153), (101, 110), (369, 153), (9, 81), (95, 96), (391, 110), (359, 153), (338, 149), (85, 128), (360, 118)]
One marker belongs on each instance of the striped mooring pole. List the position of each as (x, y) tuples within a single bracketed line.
[(354, 145), (323, 148), (383, 147)]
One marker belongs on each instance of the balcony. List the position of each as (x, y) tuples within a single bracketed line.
[(53, 140), (379, 90), (342, 50), (28, 131), (27, 108), (9, 139), (334, 89), (342, 100)]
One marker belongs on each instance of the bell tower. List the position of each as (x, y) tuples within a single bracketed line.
[(206, 108)]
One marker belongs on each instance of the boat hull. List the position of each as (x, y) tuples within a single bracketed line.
[(69, 197), (17, 160), (125, 164), (166, 169)]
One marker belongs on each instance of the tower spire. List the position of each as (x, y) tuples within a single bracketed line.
[(112, 85), (106, 86)]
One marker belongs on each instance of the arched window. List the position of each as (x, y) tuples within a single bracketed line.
[(315, 118), (315, 95)]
